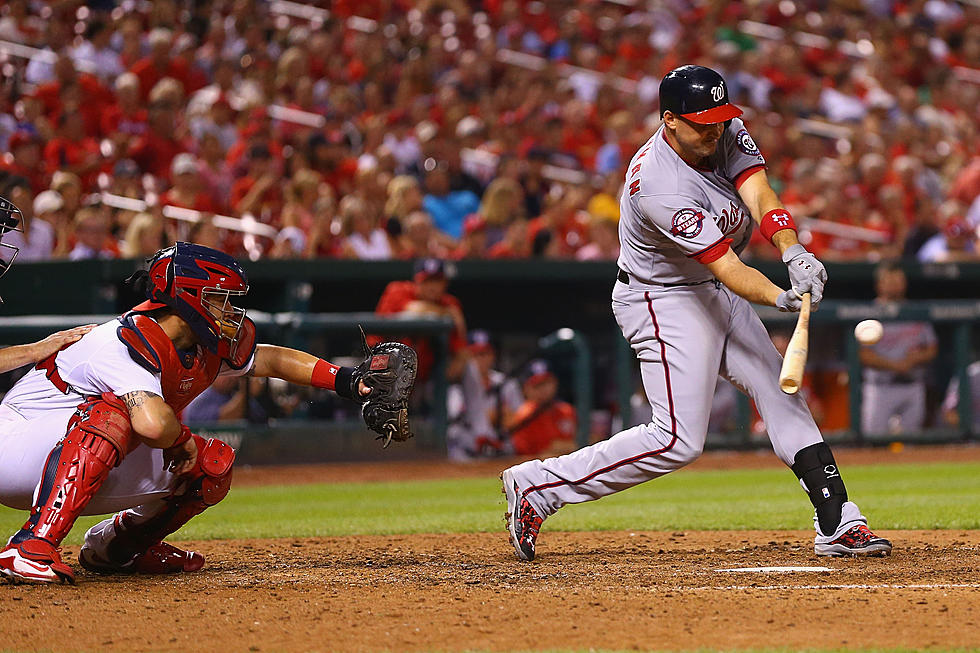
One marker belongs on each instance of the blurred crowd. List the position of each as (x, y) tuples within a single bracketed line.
[(465, 129)]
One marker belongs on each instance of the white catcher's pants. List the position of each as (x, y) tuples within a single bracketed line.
[(24, 448)]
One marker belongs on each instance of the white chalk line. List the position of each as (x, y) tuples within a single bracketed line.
[(882, 586), (776, 570)]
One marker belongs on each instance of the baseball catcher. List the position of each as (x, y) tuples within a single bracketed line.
[(94, 427)]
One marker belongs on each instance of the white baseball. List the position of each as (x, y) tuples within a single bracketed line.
[(868, 332)]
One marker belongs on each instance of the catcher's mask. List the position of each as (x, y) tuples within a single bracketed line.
[(198, 283), (11, 219)]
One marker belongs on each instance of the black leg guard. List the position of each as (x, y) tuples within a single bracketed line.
[(816, 468)]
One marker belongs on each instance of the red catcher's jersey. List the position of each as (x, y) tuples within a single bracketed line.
[(183, 375)]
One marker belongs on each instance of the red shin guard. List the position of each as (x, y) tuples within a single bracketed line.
[(207, 484), (99, 435)]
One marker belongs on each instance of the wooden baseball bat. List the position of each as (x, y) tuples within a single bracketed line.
[(791, 375)]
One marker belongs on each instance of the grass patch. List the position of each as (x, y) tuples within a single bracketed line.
[(927, 496)]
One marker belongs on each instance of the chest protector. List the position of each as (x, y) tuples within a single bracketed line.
[(183, 376)]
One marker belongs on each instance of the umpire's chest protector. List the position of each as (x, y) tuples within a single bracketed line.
[(183, 376)]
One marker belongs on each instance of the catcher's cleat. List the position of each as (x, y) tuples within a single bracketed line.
[(523, 521), (855, 541), (161, 558), (34, 561)]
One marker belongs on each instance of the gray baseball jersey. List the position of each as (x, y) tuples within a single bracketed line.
[(898, 339), (675, 217), (685, 327), (892, 402)]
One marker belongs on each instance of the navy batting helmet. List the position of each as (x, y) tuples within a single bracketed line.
[(698, 94)]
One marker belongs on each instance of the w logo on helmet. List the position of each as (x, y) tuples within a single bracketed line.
[(718, 92)]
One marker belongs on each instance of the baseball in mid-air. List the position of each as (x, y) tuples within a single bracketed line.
[(868, 332)]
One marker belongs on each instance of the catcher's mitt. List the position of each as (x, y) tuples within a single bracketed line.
[(389, 369)]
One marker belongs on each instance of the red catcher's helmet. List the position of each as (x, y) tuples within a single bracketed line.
[(197, 283)]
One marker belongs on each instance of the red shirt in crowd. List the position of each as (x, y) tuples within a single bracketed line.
[(154, 153), (61, 153), (149, 74), (95, 99), (38, 177), (341, 178), (115, 120), (395, 299), (571, 233), (538, 427), (270, 202)]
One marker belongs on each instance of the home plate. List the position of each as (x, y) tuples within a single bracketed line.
[(764, 570)]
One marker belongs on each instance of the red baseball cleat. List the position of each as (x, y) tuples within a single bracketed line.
[(855, 541), (523, 521), (161, 558), (34, 561)]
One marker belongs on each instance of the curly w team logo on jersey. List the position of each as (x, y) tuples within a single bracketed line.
[(687, 223), (730, 219)]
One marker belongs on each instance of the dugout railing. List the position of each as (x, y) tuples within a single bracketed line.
[(334, 335), (297, 441)]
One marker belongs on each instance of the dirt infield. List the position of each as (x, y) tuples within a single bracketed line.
[(464, 592), (624, 590)]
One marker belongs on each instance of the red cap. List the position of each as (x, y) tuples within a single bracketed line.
[(537, 371), (429, 268), (474, 222), (958, 227), (714, 115)]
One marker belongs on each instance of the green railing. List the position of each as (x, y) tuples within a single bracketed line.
[(956, 319)]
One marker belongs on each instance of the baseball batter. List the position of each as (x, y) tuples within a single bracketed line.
[(692, 196), (93, 428)]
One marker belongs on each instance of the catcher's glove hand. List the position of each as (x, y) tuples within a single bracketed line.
[(389, 369)]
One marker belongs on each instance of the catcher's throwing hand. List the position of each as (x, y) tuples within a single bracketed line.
[(804, 267), (181, 458), (388, 373)]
